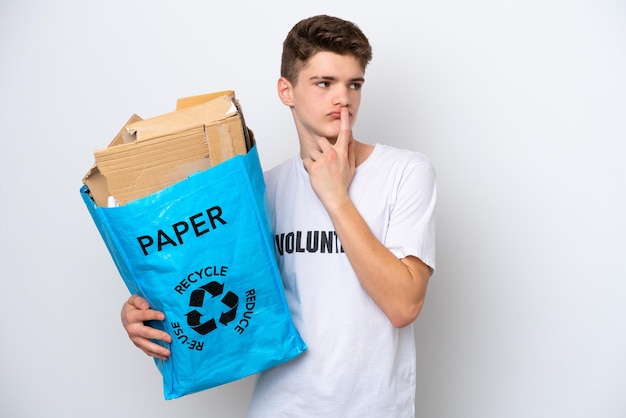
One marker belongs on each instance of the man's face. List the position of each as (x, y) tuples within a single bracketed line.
[(325, 84)]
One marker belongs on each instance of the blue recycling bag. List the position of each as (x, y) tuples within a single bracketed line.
[(201, 251)]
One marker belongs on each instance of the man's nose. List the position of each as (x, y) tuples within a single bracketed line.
[(342, 98)]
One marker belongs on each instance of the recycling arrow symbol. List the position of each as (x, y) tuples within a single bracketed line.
[(196, 300)]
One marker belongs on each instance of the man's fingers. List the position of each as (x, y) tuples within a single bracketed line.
[(141, 332), (151, 348), (131, 314), (345, 132), (345, 119), (148, 315), (352, 155), (135, 314), (315, 154), (138, 302)]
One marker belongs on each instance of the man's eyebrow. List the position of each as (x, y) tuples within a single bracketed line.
[(331, 78)]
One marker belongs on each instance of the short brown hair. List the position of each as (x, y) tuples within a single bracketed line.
[(322, 33)]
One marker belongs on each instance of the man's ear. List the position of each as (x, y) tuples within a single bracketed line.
[(285, 91)]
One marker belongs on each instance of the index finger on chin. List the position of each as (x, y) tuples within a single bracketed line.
[(345, 132)]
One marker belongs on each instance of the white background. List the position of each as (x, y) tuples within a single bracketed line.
[(520, 105)]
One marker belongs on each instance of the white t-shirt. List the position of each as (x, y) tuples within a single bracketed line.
[(357, 364)]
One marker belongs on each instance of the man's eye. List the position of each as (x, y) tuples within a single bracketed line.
[(356, 86), (323, 84)]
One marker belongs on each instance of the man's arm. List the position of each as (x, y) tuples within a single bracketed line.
[(398, 286)]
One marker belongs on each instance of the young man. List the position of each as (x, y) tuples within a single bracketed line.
[(365, 215)]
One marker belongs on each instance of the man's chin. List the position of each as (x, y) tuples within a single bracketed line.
[(332, 136)]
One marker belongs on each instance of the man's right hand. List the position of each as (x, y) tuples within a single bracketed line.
[(135, 312)]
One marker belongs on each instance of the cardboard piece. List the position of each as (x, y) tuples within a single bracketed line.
[(152, 154)]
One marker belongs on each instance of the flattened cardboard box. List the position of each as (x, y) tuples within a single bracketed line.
[(149, 155)]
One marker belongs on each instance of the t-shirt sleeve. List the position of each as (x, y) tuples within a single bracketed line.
[(412, 220)]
